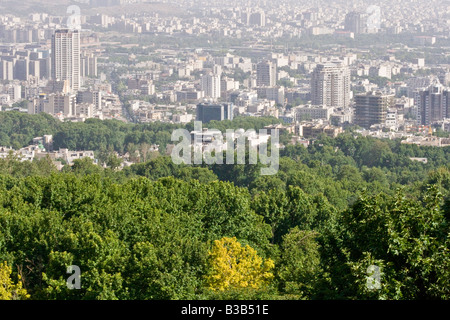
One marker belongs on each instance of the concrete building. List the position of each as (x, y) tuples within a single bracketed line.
[(88, 65), (313, 130), (275, 94), (6, 70), (35, 69), (66, 63), (432, 103), (189, 95), (310, 112), (330, 85), (257, 19), (227, 84), (266, 74), (211, 85), (371, 108), (22, 69), (182, 118), (59, 103), (84, 110), (209, 111), (392, 118), (356, 22), (15, 92), (90, 97)]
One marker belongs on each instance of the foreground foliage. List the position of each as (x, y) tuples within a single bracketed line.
[(335, 212)]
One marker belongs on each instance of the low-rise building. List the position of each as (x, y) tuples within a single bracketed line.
[(310, 112)]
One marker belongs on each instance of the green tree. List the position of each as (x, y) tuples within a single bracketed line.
[(408, 241), (299, 263)]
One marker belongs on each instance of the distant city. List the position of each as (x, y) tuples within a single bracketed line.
[(381, 67)]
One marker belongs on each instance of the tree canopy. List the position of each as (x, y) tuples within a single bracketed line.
[(349, 217)]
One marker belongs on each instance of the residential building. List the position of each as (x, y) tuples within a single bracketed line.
[(330, 85), (310, 112), (371, 108), (211, 85), (432, 103), (356, 22), (66, 63), (266, 74)]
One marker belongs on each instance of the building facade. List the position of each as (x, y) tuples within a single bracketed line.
[(330, 85), (211, 86), (432, 103), (210, 111), (66, 64), (372, 108), (266, 74)]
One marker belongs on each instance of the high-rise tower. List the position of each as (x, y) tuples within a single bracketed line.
[(433, 103), (330, 85), (266, 74), (371, 108), (66, 57)]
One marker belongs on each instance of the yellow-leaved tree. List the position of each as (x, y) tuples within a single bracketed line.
[(233, 266), (9, 290)]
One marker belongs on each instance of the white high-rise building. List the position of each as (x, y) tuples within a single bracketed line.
[(66, 57), (330, 85), (211, 85), (6, 70)]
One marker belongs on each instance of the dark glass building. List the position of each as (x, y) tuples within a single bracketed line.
[(214, 111)]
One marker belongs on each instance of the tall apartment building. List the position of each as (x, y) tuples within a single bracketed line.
[(35, 69), (266, 74), (211, 85), (432, 103), (245, 16), (258, 19), (45, 68), (6, 70), (88, 65), (330, 85), (356, 22), (22, 69), (207, 112), (66, 57), (371, 108)]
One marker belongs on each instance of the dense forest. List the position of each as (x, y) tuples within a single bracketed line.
[(155, 230)]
